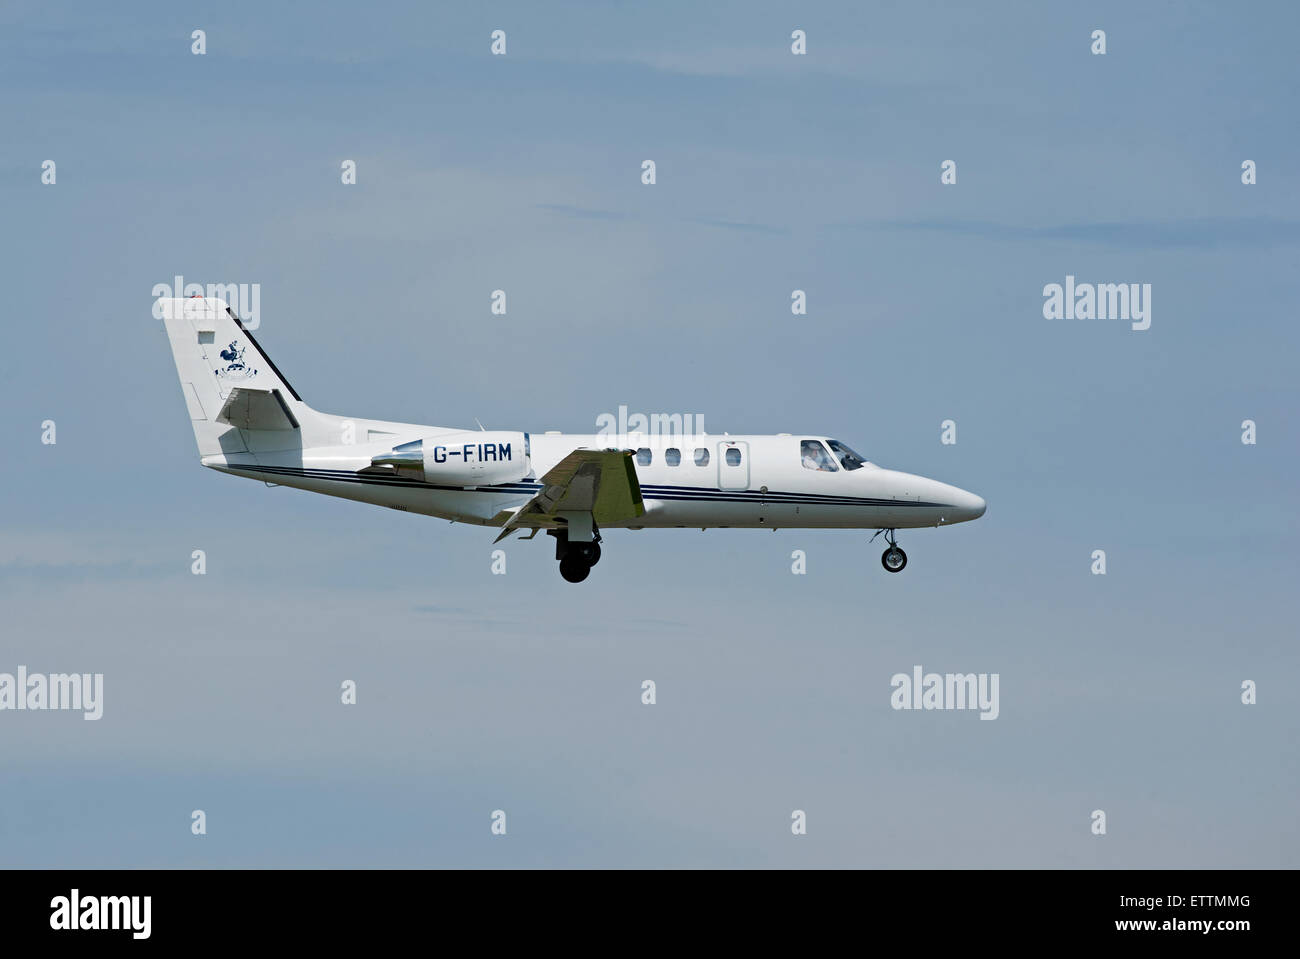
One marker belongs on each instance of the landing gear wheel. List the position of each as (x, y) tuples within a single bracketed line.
[(893, 559), (588, 552), (574, 568)]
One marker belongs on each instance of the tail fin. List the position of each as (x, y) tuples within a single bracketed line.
[(238, 400)]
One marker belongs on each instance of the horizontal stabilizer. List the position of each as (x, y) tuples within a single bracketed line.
[(249, 409)]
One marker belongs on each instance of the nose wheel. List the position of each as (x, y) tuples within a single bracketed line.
[(893, 558)]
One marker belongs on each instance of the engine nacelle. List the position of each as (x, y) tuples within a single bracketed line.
[(460, 459)]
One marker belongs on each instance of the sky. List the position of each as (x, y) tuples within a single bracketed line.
[(519, 692)]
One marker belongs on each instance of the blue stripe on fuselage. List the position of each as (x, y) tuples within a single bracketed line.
[(529, 487)]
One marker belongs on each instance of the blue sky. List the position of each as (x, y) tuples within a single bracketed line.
[(775, 172)]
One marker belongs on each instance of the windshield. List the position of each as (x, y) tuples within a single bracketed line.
[(849, 459)]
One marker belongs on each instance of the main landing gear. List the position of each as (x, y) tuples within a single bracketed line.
[(576, 559), (893, 558)]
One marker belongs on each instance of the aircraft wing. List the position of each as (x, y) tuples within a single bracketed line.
[(600, 482)]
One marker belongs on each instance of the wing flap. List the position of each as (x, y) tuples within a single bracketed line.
[(600, 482)]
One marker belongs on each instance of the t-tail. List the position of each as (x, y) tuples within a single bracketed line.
[(238, 401)]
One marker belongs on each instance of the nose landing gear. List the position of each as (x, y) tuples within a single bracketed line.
[(893, 558)]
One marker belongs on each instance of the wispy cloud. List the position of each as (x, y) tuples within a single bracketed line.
[(1202, 233), (564, 209), (738, 225)]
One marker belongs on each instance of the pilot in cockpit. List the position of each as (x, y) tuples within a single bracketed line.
[(815, 456)]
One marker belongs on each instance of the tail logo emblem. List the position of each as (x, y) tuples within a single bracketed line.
[(235, 368)]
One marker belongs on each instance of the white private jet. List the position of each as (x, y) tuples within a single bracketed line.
[(249, 421)]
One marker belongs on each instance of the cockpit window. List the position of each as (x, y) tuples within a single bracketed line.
[(848, 459), (815, 457)]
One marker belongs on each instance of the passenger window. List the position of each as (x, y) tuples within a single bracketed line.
[(733, 456), (815, 457), (673, 457), (701, 456), (643, 457)]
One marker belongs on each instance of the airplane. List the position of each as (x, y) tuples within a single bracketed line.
[(248, 421)]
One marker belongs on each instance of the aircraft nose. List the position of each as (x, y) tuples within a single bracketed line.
[(967, 506), (952, 504)]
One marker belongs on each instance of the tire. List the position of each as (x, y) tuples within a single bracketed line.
[(893, 559), (588, 552), (573, 568)]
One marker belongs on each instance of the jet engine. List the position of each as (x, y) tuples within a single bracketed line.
[(459, 459)]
